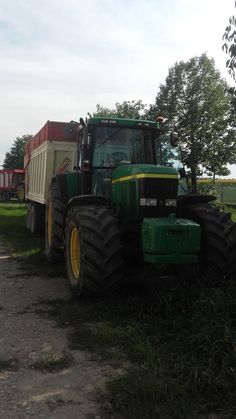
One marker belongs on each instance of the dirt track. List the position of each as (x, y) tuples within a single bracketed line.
[(26, 338)]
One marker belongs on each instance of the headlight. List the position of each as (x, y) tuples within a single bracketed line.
[(170, 202), (148, 202)]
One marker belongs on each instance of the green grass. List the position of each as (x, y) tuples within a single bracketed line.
[(233, 213), (26, 247), (175, 344), (13, 228)]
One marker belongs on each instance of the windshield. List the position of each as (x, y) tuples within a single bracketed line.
[(114, 146)]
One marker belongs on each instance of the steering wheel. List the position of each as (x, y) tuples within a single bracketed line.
[(117, 157)]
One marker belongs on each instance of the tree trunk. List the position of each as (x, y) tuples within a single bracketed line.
[(214, 178), (193, 180)]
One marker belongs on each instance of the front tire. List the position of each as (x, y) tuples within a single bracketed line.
[(93, 251)]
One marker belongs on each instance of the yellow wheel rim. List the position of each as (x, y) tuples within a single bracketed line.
[(21, 193), (50, 224), (75, 252)]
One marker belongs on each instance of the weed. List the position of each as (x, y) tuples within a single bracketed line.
[(53, 362)]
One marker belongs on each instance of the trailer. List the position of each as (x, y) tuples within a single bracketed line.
[(51, 151), (10, 181)]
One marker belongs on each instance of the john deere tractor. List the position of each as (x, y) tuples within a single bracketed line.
[(127, 200)]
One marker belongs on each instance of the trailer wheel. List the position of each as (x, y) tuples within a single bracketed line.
[(20, 193), (54, 224), (93, 251), (28, 216), (213, 254), (6, 196), (35, 217)]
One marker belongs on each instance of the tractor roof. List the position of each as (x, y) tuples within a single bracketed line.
[(136, 123)]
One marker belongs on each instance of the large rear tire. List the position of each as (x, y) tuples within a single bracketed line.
[(231, 271), (230, 229), (93, 251), (213, 253), (54, 224)]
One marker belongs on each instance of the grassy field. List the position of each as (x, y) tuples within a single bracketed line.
[(174, 343), (233, 212)]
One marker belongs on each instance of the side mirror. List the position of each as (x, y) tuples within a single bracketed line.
[(182, 172), (174, 139)]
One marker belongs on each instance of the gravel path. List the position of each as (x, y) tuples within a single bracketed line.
[(26, 392)]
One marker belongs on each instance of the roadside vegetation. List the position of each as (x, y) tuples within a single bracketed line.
[(27, 248), (173, 344)]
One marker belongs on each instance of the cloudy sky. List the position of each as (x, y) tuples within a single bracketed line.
[(59, 58)]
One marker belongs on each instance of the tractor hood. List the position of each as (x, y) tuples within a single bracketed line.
[(141, 171), (144, 190)]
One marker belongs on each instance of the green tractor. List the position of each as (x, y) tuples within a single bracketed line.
[(128, 200)]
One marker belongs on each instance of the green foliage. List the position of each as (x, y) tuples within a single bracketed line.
[(198, 100), (229, 45), (14, 159), (232, 211), (133, 110)]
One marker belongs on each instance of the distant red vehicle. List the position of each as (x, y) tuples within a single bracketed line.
[(12, 184)]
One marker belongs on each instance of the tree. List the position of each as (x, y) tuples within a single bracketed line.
[(198, 101), (229, 45), (14, 159), (133, 110)]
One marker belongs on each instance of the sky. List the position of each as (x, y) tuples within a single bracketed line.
[(59, 58)]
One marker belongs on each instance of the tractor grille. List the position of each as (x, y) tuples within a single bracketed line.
[(159, 189)]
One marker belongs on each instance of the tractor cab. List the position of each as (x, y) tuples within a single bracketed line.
[(117, 142)]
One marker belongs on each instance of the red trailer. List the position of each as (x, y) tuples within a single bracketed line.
[(10, 181)]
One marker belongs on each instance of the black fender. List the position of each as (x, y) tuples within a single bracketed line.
[(87, 200), (76, 200), (193, 199)]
